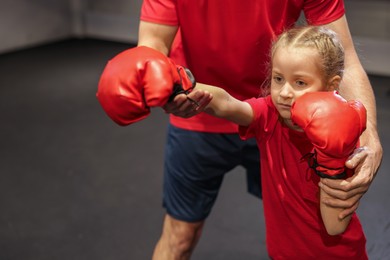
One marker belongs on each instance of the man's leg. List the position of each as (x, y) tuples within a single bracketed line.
[(195, 164), (178, 239)]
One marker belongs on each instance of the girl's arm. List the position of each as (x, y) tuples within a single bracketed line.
[(330, 216), (225, 106), (315, 113)]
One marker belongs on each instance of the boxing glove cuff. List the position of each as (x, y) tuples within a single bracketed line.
[(178, 87), (322, 171)]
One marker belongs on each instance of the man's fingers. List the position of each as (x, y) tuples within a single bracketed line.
[(188, 105), (347, 193), (347, 204), (175, 105), (348, 211), (357, 157), (195, 103), (340, 189), (348, 201)]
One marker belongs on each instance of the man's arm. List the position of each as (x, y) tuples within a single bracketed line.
[(156, 36), (366, 160)]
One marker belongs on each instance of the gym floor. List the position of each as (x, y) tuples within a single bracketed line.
[(74, 185)]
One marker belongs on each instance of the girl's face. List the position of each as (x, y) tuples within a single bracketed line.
[(295, 71)]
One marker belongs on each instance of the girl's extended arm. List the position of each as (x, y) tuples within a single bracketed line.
[(225, 106)]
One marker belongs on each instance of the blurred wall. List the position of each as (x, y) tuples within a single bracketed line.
[(113, 20), (25, 23), (369, 22)]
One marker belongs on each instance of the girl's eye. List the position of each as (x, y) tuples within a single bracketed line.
[(278, 79), (300, 83)]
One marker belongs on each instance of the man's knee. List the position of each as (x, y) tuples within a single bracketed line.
[(181, 236)]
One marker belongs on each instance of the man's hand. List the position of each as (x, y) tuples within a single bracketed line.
[(347, 193), (188, 105)]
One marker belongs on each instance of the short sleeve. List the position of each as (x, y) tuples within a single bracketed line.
[(159, 11), (319, 12), (263, 115), (246, 132)]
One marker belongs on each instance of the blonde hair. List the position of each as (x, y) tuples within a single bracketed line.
[(324, 40)]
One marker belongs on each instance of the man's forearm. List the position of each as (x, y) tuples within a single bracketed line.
[(356, 86)]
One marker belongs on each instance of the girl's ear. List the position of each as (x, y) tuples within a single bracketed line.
[(334, 83)]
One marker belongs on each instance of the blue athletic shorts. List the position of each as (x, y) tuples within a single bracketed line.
[(195, 164)]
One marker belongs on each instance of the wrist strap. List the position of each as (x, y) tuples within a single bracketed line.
[(313, 164)]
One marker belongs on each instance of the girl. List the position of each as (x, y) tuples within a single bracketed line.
[(298, 225)]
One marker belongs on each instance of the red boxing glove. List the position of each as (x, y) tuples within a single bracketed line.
[(333, 125), (137, 79)]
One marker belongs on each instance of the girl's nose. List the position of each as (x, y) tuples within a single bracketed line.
[(286, 91)]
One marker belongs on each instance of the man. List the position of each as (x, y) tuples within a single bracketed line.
[(226, 44)]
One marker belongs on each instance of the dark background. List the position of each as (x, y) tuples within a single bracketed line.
[(74, 185)]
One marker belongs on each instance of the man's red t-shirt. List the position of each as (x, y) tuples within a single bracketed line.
[(226, 43), (294, 227)]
